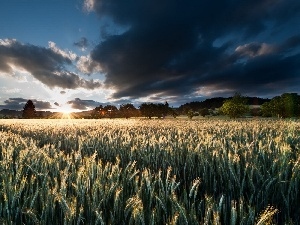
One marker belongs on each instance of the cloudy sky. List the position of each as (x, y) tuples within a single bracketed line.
[(78, 54)]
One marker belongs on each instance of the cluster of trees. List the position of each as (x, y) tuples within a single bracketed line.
[(111, 111), (155, 110), (284, 106), (215, 103), (211, 103), (200, 112), (235, 107), (128, 110)]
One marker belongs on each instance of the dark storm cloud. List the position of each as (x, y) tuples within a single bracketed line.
[(45, 64), (82, 43), (257, 49), (14, 103), (19, 103), (62, 92), (263, 74), (80, 104), (42, 105), (56, 103), (170, 46)]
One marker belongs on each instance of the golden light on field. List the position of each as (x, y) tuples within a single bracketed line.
[(63, 115), (64, 111), (66, 115), (241, 168)]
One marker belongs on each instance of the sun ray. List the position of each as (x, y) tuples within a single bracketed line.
[(66, 115)]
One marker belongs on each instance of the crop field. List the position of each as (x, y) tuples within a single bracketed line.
[(138, 171)]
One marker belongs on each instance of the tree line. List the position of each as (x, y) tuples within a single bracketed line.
[(285, 106), (128, 110)]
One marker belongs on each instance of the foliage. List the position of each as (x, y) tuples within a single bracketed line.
[(204, 112), (291, 102), (29, 111), (190, 114), (151, 109), (110, 111), (98, 112), (147, 109), (284, 106), (174, 112), (255, 112), (235, 107), (142, 172), (267, 109), (128, 110), (213, 103)]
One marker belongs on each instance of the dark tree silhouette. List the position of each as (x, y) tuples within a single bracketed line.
[(174, 112), (98, 112), (29, 110), (128, 110), (111, 111), (147, 109), (151, 109), (204, 112)]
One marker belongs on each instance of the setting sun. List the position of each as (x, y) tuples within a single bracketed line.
[(64, 108), (63, 111)]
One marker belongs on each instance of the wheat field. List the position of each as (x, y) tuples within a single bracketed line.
[(136, 171)]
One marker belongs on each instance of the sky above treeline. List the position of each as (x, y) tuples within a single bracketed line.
[(77, 54)]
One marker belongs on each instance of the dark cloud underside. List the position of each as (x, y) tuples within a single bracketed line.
[(19, 103), (80, 104), (44, 64), (170, 46)]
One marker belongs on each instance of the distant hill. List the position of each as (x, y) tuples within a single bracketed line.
[(256, 100), (7, 113)]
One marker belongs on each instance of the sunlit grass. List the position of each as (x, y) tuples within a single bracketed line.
[(63, 115), (67, 115), (139, 171)]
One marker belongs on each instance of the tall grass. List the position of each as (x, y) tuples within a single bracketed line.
[(149, 172)]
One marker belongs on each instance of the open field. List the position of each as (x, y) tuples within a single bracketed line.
[(137, 171)]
